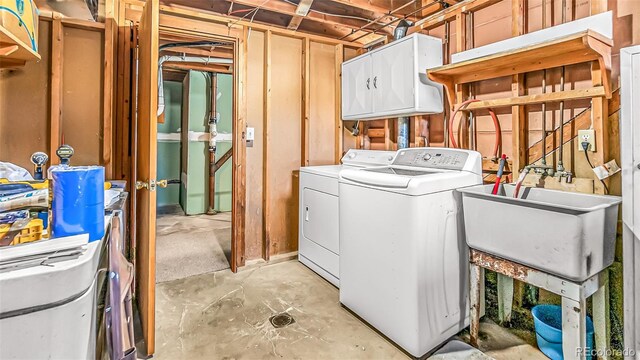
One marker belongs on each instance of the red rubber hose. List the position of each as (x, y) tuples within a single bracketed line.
[(496, 125)]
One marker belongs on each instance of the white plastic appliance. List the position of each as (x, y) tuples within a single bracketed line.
[(630, 161), (403, 257), (50, 311), (318, 245)]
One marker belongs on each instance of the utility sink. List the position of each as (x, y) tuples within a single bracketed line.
[(570, 235)]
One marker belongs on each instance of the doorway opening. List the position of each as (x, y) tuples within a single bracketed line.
[(194, 210)]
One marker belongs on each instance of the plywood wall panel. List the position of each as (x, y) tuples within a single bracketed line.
[(322, 104), (284, 144), (255, 97), (24, 106), (82, 94)]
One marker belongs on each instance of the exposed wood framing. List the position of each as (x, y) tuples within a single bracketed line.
[(239, 152), (306, 109), (267, 121), (108, 92), (450, 14), (177, 12), (217, 68), (339, 56), (597, 91), (519, 121), (462, 90), (57, 44), (301, 11)]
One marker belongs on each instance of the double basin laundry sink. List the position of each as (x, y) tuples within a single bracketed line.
[(570, 235)]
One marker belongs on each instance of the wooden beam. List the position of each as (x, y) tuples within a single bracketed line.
[(217, 52), (450, 14), (216, 68), (233, 24), (306, 98), (339, 58), (363, 4), (288, 9), (301, 12), (557, 96), (266, 106), (57, 45)]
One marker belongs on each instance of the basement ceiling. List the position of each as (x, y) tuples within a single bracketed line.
[(363, 21)]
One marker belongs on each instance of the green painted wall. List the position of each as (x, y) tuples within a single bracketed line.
[(195, 190), (169, 151)]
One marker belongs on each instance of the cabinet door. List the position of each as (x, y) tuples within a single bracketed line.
[(394, 77), (356, 87)]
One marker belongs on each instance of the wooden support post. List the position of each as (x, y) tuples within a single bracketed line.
[(239, 151), (388, 125), (108, 92), (601, 322), (339, 133), (505, 298), (574, 326), (600, 116), (306, 109), (519, 121), (462, 90), (475, 302), (57, 45), (265, 146)]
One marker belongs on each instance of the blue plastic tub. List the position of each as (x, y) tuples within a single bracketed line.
[(548, 323)]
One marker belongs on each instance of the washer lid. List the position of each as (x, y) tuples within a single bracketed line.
[(412, 182)]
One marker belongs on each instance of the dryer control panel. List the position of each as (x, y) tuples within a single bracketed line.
[(434, 158)]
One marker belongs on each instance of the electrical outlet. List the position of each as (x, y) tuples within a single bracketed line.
[(587, 136)]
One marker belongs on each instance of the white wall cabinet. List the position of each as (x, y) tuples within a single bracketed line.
[(391, 81)]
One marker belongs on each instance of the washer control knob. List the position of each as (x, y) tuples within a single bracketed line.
[(426, 157), (390, 158), (352, 155)]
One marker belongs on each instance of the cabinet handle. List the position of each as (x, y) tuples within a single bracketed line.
[(306, 213), (368, 81), (375, 79)]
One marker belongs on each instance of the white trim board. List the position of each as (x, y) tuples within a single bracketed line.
[(601, 23)]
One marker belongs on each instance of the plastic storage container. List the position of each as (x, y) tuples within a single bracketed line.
[(570, 235), (547, 320), (77, 204)]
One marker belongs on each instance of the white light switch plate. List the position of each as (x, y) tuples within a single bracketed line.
[(250, 134)]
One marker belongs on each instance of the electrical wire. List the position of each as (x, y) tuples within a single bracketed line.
[(255, 11), (585, 147)]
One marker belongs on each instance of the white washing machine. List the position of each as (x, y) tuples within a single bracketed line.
[(403, 257), (318, 244)]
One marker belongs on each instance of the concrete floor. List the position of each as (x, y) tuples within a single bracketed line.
[(226, 316), (191, 245)]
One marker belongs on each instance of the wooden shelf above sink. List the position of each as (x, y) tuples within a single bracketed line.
[(576, 48)]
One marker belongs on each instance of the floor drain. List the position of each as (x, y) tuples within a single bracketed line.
[(281, 320)]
